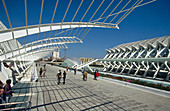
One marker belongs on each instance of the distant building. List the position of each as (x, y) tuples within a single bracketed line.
[(85, 60), (148, 58)]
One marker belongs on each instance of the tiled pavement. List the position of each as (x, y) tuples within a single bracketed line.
[(76, 95)]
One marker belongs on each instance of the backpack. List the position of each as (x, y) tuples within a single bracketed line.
[(59, 74)]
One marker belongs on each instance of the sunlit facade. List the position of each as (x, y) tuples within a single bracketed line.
[(148, 58)]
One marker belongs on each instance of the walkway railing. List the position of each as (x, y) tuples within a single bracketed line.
[(26, 107), (34, 75)]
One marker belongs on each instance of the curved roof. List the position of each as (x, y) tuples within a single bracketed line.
[(144, 43)]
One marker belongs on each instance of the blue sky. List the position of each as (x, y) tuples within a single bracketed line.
[(146, 22)]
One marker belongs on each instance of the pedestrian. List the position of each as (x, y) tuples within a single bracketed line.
[(75, 70), (41, 72), (70, 69), (59, 76), (95, 75), (13, 75), (1, 93), (64, 77), (85, 75), (8, 91), (67, 68), (44, 71), (82, 71)]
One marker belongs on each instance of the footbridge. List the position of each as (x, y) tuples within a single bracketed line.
[(76, 94), (31, 40), (32, 30)]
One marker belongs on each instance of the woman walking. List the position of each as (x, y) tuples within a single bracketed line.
[(95, 75), (44, 71), (41, 72), (85, 75), (64, 77), (8, 91), (59, 76)]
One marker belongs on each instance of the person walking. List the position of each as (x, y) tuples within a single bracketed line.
[(1, 93), (82, 71), (59, 76), (85, 75), (75, 71), (70, 69), (44, 71), (8, 91), (95, 75), (13, 75), (64, 77), (41, 70), (67, 68)]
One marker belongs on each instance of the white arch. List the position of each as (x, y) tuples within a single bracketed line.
[(38, 45), (34, 55), (34, 29), (29, 49)]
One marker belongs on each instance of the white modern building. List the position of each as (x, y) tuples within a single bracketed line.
[(147, 58)]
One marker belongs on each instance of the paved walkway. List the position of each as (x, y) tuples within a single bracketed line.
[(76, 94)]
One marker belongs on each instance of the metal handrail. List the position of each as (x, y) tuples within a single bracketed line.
[(34, 73), (28, 106)]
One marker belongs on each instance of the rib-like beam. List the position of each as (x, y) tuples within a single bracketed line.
[(37, 45), (137, 60), (69, 40), (34, 29), (35, 55), (31, 49)]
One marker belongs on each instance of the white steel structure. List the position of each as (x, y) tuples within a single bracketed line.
[(31, 41), (147, 58)]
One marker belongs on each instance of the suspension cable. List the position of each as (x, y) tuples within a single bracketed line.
[(92, 16), (6, 11), (120, 11), (125, 15), (54, 11), (65, 14), (83, 17), (112, 11), (82, 37), (74, 17), (124, 10)]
